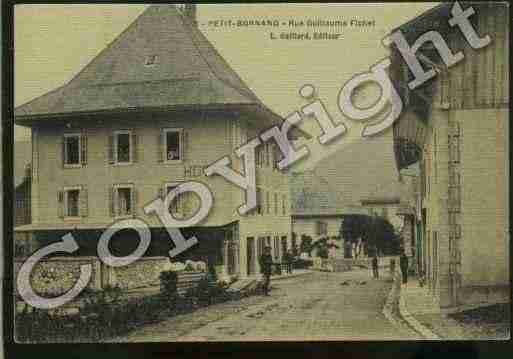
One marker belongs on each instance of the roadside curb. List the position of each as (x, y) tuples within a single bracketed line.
[(414, 323), (387, 308)]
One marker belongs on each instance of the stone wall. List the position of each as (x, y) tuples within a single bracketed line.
[(55, 276), (144, 272)]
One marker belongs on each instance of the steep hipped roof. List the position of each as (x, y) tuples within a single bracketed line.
[(362, 170), (312, 195), (188, 71)]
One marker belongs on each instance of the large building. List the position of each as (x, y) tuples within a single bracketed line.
[(456, 127), (150, 111)]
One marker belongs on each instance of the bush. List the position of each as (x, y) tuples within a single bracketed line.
[(168, 283), (207, 292)]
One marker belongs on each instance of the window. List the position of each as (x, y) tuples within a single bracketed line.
[(122, 146), (72, 150), (150, 60), (268, 202), (435, 162), (260, 156), (123, 203), (455, 149), (72, 202), (259, 200), (321, 228), (284, 205), (267, 154), (173, 144), (275, 203)]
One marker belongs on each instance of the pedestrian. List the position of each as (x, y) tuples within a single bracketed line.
[(403, 263), (291, 259), (266, 262), (287, 260), (392, 267), (375, 272)]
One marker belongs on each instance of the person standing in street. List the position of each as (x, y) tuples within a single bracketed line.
[(287, 260), (375, 271), (403, 263), (266, 262)]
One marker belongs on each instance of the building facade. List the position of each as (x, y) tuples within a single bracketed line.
[(151, 111), (456, 127)]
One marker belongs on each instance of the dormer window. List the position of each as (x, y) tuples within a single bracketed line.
[(150, 60)]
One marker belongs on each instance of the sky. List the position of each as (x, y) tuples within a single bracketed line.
[(54, 42)]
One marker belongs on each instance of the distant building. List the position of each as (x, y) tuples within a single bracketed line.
[(456, 127), (317, 209)]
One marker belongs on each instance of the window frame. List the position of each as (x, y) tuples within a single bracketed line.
[(180, 132), (155, 61), (73, 165), (65, 191), (117, 187), (130, 148), (321, 228)]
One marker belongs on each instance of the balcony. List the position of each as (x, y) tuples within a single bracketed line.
[(409, 137)]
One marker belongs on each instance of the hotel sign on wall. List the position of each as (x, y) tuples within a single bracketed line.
[(193, 171)]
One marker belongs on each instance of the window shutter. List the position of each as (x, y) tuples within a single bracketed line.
[(83, 144), (184, 145), (84, 208), (110, 149), (63, 151), (110, 191), (60, 200), (134, 147), (134, 201), (160, 146), (257, 157)]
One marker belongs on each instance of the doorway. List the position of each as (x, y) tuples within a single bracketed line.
[(250, 255)]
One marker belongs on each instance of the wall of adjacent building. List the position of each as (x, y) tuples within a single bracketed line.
[(471, 101), (308, 226), (484, 247)]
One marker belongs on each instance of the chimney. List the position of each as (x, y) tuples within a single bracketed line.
[(189, 12)]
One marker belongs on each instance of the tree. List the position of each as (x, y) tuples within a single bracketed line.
[(354, 230), (323, 247), (370, 233)]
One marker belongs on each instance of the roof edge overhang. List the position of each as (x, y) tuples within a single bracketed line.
[(380, 201), (71, 226), (256, 109)]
